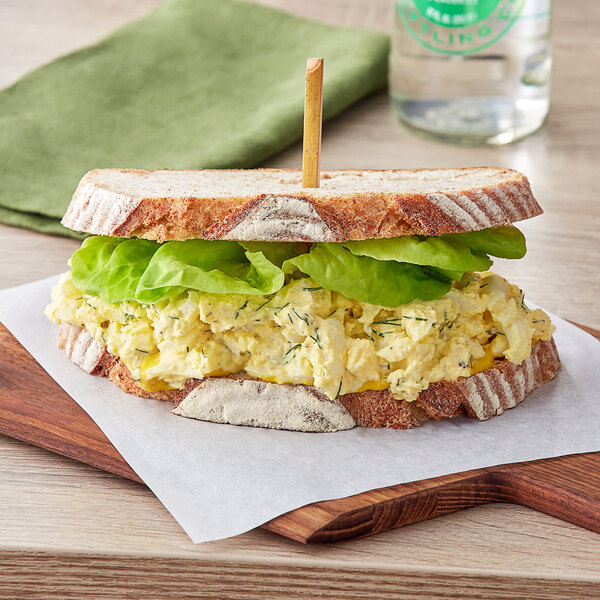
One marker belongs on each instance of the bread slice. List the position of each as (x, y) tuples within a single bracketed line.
[(271, 205), (244, 401)]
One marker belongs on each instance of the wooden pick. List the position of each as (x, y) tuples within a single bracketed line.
[(313, 119)]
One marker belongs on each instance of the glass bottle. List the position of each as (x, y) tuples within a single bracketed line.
[(471, 71)]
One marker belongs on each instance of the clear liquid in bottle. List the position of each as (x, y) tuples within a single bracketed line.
[(471, 71)]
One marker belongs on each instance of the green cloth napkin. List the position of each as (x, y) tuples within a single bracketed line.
[(196, 83)]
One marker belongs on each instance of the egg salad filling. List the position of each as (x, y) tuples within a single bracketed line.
[(307, 334)]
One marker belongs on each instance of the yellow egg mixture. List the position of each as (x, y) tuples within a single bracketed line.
[(308, 335)]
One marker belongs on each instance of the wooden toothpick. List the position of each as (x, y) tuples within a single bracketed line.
[(313, 118)]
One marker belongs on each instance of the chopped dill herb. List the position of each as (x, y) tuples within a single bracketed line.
[(90, 305), (242, 307), (316, 339), (539, 321), (389, 322), (339, 388), (280, 308), (445, 323), (333, 311), (415, 318), (172, 317), (380, 333), (263, 304), (187, 348), (292, 348), (313, 289), (305, 319), (140, 350)]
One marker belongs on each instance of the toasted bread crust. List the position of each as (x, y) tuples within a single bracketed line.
[(421, 202), (480, 396)]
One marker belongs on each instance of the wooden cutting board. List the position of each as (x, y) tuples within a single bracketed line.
[(35, 409)]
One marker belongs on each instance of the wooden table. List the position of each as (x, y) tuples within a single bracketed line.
[(68, 530)]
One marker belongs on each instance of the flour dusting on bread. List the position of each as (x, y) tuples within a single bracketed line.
[(81, 347), (97, 209), (262, 404), (281, 218)]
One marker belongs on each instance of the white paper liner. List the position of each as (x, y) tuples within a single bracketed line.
[(221, 480)]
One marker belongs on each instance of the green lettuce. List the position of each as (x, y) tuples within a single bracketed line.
[(132, 269), (382, 282), (277, 252), (218, 267), (386, 272), (421, 250), (111, 268), (452, 251), (504, 242)]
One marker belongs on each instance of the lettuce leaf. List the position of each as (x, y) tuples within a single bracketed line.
[(118, 269), (385, 283), (111, 267), (386, 272), (277, 252), (218, 267), (451, 251), (505, 241), (420, 250)]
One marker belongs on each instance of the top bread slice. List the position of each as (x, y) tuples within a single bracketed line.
[(272, 205)]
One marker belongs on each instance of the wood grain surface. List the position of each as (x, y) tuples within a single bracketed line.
[(34, 408), (69, 530), (567, 487)]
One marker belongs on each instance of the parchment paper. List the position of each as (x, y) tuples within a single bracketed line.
[(221, 480)]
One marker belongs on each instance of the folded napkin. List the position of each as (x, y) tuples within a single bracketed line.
[(196, 83)]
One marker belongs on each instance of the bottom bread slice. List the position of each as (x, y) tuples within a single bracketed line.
[(239, 400)]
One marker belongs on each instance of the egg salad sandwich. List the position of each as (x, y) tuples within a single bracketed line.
[(244, 298)]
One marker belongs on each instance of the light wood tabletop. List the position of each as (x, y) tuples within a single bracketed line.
[(68, 530)]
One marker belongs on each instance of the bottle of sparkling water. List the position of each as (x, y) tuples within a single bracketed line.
[(471, 71)]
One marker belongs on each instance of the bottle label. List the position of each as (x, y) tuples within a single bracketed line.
[(458, 26)]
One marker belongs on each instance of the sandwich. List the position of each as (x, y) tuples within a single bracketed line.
[(243, 298)]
